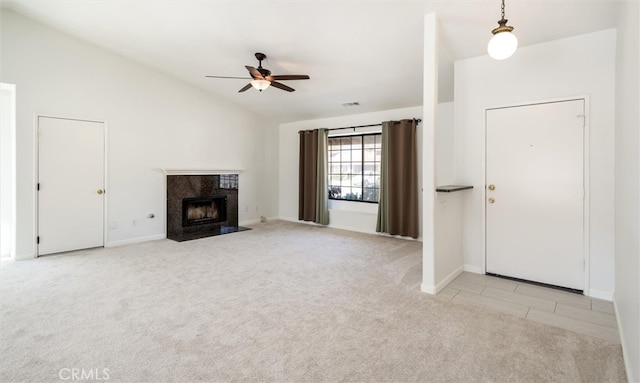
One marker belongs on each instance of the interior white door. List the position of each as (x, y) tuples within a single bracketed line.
[(71, 185), (535, 192)]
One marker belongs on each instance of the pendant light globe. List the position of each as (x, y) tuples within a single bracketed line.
[(502, 45)]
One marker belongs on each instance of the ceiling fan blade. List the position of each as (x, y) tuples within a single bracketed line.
[(282, 86), (245, 88), (241, 78), (254, 72), (289, 77)]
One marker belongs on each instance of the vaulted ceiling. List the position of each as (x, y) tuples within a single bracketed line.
[(365, 51)]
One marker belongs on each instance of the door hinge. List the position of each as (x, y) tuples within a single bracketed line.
[(38, 188), (38, 240)]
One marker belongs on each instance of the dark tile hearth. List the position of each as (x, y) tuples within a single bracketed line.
[(201, 206), (210, 233)]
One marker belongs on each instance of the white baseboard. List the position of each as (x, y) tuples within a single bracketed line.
[(256, 221), (449, 278), (135, 240), (623, 343), (473, 269), (433, 290), (25, 257), (295, 220), (354, 229), (604, 295), (349, 228), (428, 289)]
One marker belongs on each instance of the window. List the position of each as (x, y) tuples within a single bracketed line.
[(354, 167)]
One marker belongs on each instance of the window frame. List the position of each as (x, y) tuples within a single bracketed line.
[(362, 167)]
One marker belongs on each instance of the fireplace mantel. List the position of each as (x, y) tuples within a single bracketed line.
[(200, 172)]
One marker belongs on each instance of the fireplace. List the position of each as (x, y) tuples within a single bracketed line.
[(201, 205), (200, 211)]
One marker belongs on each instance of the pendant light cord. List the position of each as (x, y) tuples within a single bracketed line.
[(502, 10)]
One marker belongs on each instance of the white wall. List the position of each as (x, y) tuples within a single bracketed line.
[(577, 66), (627, 187), (445, 156), (448, 254), (153, 122), (7, 159)]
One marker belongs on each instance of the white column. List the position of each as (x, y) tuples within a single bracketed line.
[(429, 118)]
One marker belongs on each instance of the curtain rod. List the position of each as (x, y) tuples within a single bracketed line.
[(417, 120)]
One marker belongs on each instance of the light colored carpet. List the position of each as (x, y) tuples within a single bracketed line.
[(282, 302)]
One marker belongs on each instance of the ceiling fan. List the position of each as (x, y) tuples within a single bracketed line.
[(261, 78)]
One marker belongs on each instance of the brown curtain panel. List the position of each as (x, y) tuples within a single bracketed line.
[(398, 203), (312, 189), (308, 175)]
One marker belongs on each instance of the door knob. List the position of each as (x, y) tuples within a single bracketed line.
[(100, 191), (492, 200), (492, 187)]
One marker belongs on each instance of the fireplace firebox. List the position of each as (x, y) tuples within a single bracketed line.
[(200, 211)]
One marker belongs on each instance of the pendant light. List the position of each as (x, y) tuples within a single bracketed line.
[(503, 44)]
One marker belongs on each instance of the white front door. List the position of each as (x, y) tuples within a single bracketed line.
[(535, 193), (71, 185)]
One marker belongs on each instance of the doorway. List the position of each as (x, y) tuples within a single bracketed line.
[(71, 184), (534, 205)]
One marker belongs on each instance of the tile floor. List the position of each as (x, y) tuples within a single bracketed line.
[(589, 316)]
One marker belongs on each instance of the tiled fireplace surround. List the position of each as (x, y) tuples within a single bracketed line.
[(181, 187)]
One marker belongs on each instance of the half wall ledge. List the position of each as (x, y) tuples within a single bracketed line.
[(453, 188)]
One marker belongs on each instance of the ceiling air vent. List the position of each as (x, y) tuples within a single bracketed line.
[(352, 103)]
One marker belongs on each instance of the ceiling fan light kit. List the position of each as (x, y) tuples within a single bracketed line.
[(503, 44), (260, 84), (261, 78)]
